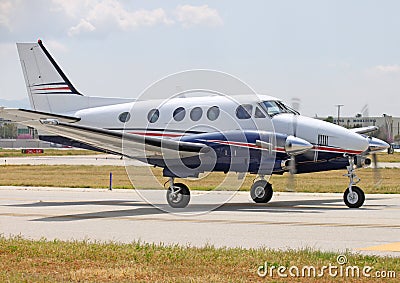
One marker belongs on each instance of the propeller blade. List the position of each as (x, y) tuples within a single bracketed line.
[(377, 173), (291, 182), (294, 125)]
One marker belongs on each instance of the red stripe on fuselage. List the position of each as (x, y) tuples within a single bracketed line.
[(280, 149), (338, 150), (156, 134), (54, 88)]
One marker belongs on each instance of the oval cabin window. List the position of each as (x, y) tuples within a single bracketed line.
[(213, 113), (153, 115), (124, 117), (179, 114), (196, 113)]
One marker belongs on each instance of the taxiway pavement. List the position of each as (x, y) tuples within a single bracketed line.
[(290, 220), (100, 160), (97, 160)]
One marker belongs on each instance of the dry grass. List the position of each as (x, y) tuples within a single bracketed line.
[(98, 177), (63, 176), (24, 260), (47, 152), (384, 157)]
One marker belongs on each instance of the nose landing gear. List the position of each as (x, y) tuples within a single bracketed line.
[(353, 197), (178, 195)]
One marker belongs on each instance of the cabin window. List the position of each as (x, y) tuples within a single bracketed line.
[(179, 114), (213, 113), (196, 113), (244, 111), (258, 113), (124, 117), (275, 107), (153, 115)]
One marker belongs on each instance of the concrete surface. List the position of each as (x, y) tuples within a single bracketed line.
[(291, 220), (98, 160)]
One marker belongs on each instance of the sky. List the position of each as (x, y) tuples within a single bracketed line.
[(322, 52)]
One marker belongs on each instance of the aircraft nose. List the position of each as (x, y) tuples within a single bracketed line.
[(359, 143), (376, 145)]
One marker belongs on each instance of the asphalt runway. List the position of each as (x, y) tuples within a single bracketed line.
[(291, 220)]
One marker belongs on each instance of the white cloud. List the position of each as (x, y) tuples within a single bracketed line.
[(56, 45), (387, 68), (95, 17), (105, 15), (189, 16), (5, 11), (73, 8), (83, 26)]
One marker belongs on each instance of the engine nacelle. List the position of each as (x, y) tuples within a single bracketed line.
[(362, 161)]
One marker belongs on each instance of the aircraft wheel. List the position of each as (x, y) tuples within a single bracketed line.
[(355, 199), (261, 191), (178, 197)]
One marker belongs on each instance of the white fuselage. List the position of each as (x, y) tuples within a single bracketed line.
[(187, 120)]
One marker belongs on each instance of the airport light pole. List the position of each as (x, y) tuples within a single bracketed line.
[(338, 112)]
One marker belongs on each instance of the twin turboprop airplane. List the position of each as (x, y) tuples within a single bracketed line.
[(188, 136)]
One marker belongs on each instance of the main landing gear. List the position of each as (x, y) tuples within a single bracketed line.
[(178, 194), (353, 197), (261, 191)]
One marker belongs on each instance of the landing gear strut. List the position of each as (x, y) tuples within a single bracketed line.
[(178, 194), (261, 191), (353, 197)]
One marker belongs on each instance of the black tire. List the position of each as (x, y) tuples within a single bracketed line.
[(355, 200), (181, 198), (261, 191)]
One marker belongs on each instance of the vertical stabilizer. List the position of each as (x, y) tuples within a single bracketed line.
[(48, 87), (43, 76)]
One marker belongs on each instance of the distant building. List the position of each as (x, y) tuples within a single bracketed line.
[(389, 126), (24, 132), (10, 130)]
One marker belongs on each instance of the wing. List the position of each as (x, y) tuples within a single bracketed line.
[(364, 130), (132, 145)]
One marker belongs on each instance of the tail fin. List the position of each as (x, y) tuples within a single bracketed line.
[(48, 87), (42, 74)]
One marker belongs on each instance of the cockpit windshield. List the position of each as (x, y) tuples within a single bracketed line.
[(274, 107)]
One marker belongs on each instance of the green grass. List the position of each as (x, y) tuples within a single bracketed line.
[(23, 260), (85, 176), (47, 152)]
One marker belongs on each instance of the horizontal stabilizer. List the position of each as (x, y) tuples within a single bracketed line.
[(25, 115)]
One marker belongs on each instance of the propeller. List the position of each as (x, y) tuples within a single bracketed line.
[(377, 173), (376, 145), (291, 181)]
